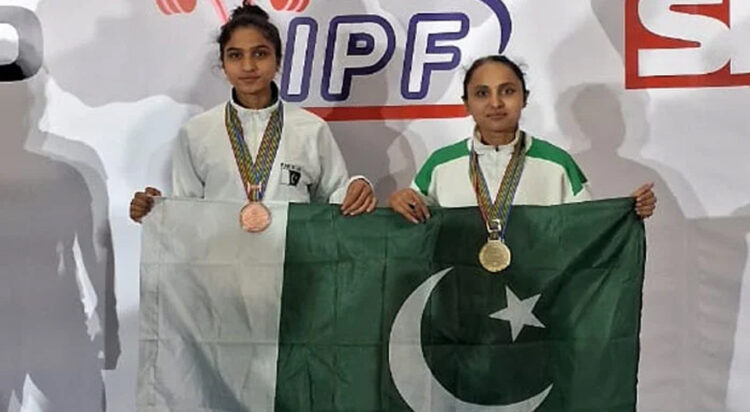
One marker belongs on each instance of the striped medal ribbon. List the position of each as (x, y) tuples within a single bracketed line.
[(495, 254), (254, 216)]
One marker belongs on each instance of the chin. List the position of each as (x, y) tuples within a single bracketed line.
[(251, 90), (500, 127)]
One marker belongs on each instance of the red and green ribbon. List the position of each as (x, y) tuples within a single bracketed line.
[(496, 213), (254, 174)]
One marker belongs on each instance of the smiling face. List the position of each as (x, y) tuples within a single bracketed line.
[(495, 98), (250, 63)]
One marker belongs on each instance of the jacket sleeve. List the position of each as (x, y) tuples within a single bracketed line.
[(334, 178), (185, 180), (576, 187), (424, 184)]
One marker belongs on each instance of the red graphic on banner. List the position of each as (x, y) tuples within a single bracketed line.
[(405, 112), (221, 10), (170, 7), (290, 5), (176, 6), (638, 38)]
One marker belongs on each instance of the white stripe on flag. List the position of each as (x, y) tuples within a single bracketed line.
[(210, 308)]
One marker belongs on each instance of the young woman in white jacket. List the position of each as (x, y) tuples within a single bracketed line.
[(302, 161)]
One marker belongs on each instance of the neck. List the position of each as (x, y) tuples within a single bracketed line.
[(255, 100), (495, 138)]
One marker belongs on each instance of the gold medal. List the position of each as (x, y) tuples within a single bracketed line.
[(255, 217), (494, 255)]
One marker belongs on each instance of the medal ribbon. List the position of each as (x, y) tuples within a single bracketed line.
[(254, 175), (497, 212)]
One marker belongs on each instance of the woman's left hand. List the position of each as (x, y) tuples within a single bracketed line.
[(645, 200), (359, 198)]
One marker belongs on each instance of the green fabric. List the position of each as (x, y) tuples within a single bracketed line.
[(544, 150), (346, 279), (440, 156)]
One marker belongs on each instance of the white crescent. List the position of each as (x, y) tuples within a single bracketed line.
[(411, 374)]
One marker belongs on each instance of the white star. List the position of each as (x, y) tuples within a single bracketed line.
[(518, 313)]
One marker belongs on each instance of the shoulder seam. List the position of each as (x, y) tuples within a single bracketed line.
[(543, 150), (438, 157)]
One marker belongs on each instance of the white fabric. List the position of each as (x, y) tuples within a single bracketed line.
[(543, 182), (204, 165), (186, 336)]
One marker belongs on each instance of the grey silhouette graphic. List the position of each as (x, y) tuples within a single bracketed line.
[(47, 213), (695, 266)]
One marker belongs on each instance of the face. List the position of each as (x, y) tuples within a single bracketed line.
[(494, 98), (249, 61)]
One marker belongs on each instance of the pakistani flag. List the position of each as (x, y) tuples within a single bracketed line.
[(322, 312)]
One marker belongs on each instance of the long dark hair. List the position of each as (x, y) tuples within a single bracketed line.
[(250, 15)]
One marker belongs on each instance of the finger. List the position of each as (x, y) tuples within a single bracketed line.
[(645, 195), (372, 205), (640, 190), (152, 191), (140, 206), (359, 203), (407, 213), (645, 211), (366, 201), (411, 202), (136, 213), (410, 206), (643, 189), (400, 203), (352, 194), (643, 214), (143, 201), (419, 206), (646, 200), (401, 206), (146, 196)]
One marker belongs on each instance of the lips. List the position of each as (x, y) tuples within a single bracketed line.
[(249, 79), (498, 115)]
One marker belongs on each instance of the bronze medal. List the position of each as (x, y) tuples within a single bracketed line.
[(494, 255), (255, 217)]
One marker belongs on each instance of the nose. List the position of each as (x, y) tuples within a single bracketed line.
[(496, 100), (248, 64)]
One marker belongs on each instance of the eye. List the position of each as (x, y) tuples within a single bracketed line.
[(234, 55), (261, 53), (481, 93), (508, 91)]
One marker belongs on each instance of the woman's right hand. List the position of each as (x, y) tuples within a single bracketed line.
[(409, 204), (142, 203)]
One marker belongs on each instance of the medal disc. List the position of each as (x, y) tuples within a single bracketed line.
[(494, 256), (255, 217)]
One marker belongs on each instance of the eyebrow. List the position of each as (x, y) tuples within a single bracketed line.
[(258, 47), (479, 86)]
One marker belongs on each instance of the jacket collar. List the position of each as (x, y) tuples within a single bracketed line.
[(263, 114), (481, 148)]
